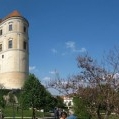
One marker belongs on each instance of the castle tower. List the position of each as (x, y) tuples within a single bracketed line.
[(14, 52)]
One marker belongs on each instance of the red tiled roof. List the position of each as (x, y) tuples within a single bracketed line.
[(0, 20), (13, 14)]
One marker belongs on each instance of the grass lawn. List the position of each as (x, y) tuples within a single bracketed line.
[(113, 117), (9, 112)]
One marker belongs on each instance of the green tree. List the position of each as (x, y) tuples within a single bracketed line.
[(80, 108), (2, 92), (35, 95), (12, 101), (49, 101), (60, 102)]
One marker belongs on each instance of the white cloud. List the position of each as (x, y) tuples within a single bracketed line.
[(83, 50), (72, 46), (53, 72), (32, 68), (54, 50), (46, 78)]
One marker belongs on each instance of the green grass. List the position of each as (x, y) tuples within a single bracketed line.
[(8, 112), (113, 117)]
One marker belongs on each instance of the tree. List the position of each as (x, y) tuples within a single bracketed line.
[(60, 102), (80, 107), (2, 101), (95, 84), (35, 95), (98, 89), (12, 101)]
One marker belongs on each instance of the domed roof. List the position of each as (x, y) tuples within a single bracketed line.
[(13, 14)]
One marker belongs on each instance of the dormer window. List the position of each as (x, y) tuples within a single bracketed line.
[(10, 27)]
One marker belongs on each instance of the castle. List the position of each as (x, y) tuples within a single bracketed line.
[(14, 51)]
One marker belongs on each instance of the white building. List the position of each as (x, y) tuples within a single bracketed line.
[(14, 52), (68, 101)]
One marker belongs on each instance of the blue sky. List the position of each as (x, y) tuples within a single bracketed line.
[(60, 30)]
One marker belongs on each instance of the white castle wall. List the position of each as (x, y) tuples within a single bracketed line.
[(14, 62)]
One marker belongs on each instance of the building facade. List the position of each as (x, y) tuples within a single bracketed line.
[(68, 101), (14, 51)]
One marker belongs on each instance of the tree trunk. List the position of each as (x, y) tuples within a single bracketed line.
[(22, 111), (98, 113), (106, 115), (108, 111), (13, 111), (33, 113)]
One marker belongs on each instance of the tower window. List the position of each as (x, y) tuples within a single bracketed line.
[(24, 29), (24, 45), (10, 27), (10, 44), (1, 32), (0, 47), (2, 56)]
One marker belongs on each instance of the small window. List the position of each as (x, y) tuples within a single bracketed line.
[(24, 29), (24, 45), (10, 27), (1, 32), (0, 47), (10, 44), (2, 56)]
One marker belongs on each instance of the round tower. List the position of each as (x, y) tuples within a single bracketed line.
[(14, 51)]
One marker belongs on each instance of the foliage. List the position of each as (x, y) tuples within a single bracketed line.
[(35, 95), (49, 101), (2, 93), (96, 83), (80, 108), (59, 103)]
